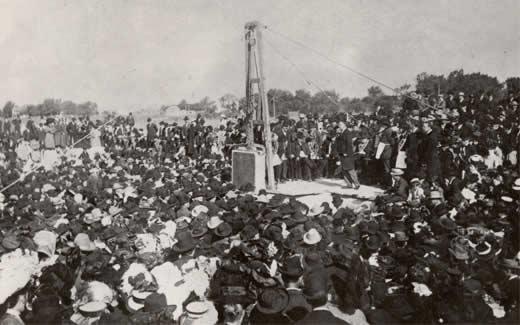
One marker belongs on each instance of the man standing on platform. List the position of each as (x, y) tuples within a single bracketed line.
[(345, 150)]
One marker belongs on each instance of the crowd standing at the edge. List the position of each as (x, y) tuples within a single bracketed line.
[(149, 229)]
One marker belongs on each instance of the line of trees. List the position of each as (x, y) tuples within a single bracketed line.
[(472, 83), (329, 101), (52, 106), (284, 101)]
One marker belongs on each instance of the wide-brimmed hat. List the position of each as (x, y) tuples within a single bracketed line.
[(316, 210), (292, 266), (10, 242), (459, 251), (214, 222), (396, 172), (45, 242), (185, 242), (262, 199), (199, 230), (373, 242), (446, 223), (95, 215), (196, 309), (136, 300), (223, 230), (83, 242), (272, 301), (249, 232), (198, 210), (484, 248), (511, 263), (312, 237), (435, 195), (92, 308)]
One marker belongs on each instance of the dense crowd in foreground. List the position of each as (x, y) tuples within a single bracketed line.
[(141, 232)]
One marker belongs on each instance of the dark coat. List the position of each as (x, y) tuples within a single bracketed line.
[(429, 154), (411, 146), (400, 188), (152, 130), (387, 137), (345, 150), (321, 317), (449, 162)]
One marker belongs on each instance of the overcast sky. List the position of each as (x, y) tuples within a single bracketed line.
[(126, 54)]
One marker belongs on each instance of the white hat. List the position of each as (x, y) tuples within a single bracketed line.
[(214, 222), (136, 301), (316, 210), (262, 199), (83, 242), (231, 195), (197, 309), (47, 188), (117, 186), (100, 291), (436, 195), (198, 210), (46, 242), (95, 215), (312, 237), (78, 198), (396, 172), (476, 158), (93, 307)]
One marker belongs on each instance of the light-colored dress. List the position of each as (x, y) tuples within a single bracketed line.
[(49, 138), (23, 151), (95, 138)]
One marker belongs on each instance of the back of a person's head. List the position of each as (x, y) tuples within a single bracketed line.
[(316, 285)]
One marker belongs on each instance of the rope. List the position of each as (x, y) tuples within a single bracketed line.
[(30, 171), (361, 74), (302, 74)]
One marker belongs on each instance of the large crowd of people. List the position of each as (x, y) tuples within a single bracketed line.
[(107, 223)]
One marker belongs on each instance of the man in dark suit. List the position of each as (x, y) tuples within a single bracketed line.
[(430, 152), (315, 290), (292, 154), (411, 147), (283, 137), (292, 271), (345, 150), (387, 138), (399, 186), (151, 132)]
